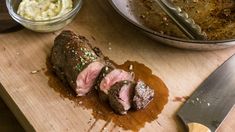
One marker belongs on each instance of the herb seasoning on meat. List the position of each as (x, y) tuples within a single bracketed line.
[(83, 67)]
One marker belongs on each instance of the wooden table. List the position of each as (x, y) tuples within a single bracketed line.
[(8, 122), (34, 103)]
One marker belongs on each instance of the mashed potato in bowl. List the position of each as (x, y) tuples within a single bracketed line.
[(44, 9)]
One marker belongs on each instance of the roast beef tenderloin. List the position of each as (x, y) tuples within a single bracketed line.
[(80, 65), (75, 62)]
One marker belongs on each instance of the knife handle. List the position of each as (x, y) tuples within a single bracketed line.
[(196, 127)]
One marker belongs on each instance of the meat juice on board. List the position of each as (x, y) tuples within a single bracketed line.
[(134, 120)]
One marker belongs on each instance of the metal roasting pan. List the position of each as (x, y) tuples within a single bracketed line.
[(123, 8)]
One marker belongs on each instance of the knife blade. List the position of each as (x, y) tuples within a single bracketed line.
[(212, 100)]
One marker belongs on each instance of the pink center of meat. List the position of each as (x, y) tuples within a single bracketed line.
[(125, 95), (114, 76), (87, 77)]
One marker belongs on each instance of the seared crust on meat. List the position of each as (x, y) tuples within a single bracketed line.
[(70, 54), (143, 95), (83, 67), (116, 101), (105, 70)]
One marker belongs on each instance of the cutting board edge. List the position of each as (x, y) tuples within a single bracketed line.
[(15, 110)]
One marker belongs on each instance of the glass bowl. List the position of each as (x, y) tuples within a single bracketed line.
[(43, 25)]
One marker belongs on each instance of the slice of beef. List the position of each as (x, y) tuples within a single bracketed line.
[(120, 96), (75, 62), (86, 79), (143, 95), (105, 70), (109, 79)]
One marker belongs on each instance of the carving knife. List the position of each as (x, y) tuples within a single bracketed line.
[(211, 102)]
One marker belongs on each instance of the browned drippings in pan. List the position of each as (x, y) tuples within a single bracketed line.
[(216, 17)]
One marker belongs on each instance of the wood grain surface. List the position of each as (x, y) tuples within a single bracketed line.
[(39, 107)]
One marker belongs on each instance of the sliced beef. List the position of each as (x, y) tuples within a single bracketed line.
[(109, 79), (86, 79), (80, 65), (75, 62), (142, 95), (120, 96), (106, 70)]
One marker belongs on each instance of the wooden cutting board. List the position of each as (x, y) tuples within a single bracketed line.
[(39, 107)]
